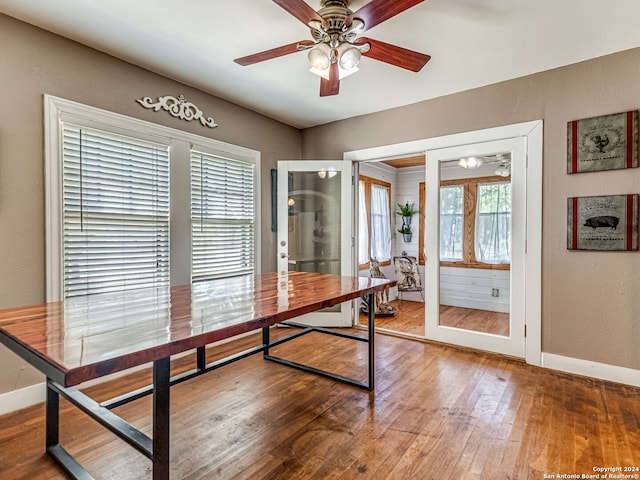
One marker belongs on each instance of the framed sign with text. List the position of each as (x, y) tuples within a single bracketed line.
[(609, 142), (607, 222)]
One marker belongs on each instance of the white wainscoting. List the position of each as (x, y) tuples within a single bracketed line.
[(390, 272), (473, 287)]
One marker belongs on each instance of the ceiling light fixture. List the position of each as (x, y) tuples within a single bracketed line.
[(470, 162), (347, 55), (504, 170), (330, 173), (336, 47), (335, 43)]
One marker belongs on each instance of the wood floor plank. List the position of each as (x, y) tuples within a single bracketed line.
[(437, 412)]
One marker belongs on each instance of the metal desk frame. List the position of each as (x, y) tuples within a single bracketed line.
[(157, 447)]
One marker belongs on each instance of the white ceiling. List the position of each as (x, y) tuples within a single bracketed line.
[(471, 42)]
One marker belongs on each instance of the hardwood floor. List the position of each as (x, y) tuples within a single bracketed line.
[(437, 413), (410, 319), (476, 320)]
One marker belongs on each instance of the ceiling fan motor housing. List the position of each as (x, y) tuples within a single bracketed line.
[(334, 12)]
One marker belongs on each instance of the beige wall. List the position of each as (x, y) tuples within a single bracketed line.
[(35, 62), (590, 300)]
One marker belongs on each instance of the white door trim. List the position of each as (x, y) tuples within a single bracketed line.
[(532, 131)]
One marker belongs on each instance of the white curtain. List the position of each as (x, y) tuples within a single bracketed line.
[(363, 227), (380, 224), (451, 222), (493, 223)]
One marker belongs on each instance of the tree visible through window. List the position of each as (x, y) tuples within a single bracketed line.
[(451, 222), (493, 223), (475, 222)]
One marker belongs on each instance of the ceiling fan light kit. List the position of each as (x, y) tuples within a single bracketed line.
[(337, 49), (470, 162), (504, 168)]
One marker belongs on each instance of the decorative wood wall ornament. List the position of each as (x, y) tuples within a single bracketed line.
[(609, 142), (179, 108), (603, 223)]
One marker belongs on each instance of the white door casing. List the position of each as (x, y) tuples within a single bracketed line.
[(532, 132)]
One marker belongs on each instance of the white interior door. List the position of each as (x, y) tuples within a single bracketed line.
[(315, 226), (463, 287)]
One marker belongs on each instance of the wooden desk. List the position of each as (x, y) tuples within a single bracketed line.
[(86, 338)]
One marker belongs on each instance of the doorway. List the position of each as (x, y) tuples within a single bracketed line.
[(314, 227), (390, 225), (524, 147), (477, 236)]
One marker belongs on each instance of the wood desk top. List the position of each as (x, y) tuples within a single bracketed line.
[(89, 337)]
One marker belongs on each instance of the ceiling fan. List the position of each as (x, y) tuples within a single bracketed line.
[(336, 48)]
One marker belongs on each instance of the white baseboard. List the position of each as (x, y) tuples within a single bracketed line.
[(628, 376), (22, 398)]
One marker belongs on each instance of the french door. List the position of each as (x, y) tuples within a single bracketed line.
[(315, 226), (464, 288)]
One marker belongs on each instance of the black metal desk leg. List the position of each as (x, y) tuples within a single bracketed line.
[(372, 329), (161, 414), (53, 417), (201, 359), (266, 341)]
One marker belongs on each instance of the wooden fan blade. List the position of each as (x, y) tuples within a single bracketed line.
[(377, 11), (273, 53), (302, 11), (394, 55), (331, 86)]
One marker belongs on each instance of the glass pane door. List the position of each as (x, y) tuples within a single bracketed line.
[(315, 225), (475, 270)]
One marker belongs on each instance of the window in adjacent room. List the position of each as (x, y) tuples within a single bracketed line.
[(374, 221), (451, 222), (493, 223), (475, 222)]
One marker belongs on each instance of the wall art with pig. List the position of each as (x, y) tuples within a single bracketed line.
[(607, 222)]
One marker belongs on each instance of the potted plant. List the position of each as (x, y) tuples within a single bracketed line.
[(405, 230), (406, 211)]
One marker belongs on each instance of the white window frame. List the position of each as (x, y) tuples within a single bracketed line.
[(58, 110)]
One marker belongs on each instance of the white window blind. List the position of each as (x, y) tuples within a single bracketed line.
[(115, 212), (222, 216)]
